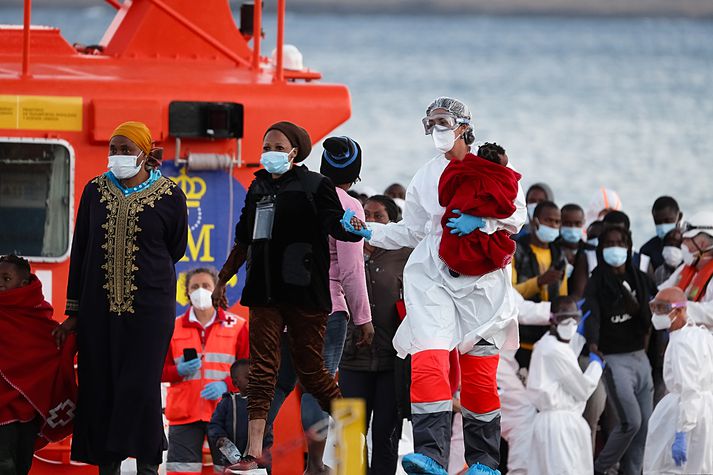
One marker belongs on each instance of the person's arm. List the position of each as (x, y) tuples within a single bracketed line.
[(580, 275), (177, 238), (532, 313), (330, 212), (217, 424), (580, 385), (411, 230), (593, 323), (79, 248), (350, 256), (170, 370), (514, 223), (685, 362)]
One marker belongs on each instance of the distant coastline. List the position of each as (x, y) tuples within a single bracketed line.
[(625, 8)]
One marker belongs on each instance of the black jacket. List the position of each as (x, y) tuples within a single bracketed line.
[(620, 318), (291, 268), (384, 283)]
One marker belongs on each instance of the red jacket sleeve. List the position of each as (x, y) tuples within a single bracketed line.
[(170, 370)]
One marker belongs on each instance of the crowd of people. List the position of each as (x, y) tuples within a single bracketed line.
[(536, 334)]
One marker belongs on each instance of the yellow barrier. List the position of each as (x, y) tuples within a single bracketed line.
[(350, 421)]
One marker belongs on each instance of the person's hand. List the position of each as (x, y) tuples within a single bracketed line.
[(213, 391), (65, 328), (367, 335), (464, 223), (678, 450), (354, 225), (188, 368), (218, 296), (593, 357), (550, 276), (594, 348), (456, 405)]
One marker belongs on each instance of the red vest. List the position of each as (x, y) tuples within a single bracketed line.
[(694, 282), (184, 403)]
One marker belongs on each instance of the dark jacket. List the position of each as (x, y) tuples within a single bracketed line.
[(291, 268), (654, 249), (384, 282), (620, 318), (230, 419)]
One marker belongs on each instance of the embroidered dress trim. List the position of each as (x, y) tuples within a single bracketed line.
[(121, 228)]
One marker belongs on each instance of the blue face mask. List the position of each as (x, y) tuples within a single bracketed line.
[(547, 234), (276, 162), (615, 256), (663, 229), (593, 242), (571, 235), (531, 210)]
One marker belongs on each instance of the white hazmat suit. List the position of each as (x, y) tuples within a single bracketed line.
[(688, 407), (561, 439)]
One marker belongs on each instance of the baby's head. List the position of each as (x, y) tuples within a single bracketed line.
[(14, 272), (493, 152), (239, 373)]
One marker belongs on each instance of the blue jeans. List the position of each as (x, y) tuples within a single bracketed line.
[(334, 336)]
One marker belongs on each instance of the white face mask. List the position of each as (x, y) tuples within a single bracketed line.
[(660, 321), (124, 166), (672, 255), (444, 140), (201, 299), (567, 329), (688, 257)]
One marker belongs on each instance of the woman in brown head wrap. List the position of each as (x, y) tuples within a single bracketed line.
[(282, 236), (131, 229)]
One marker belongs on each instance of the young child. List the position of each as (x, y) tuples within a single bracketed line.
[(230, 418), (483, 186), (37, 384)]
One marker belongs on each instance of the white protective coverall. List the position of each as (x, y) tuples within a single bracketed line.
[(518, 411), (561, 438), (476, 314), (700, 312), (442, 311), (688, 407)]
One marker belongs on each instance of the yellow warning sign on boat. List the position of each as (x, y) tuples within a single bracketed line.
[(41, 113)]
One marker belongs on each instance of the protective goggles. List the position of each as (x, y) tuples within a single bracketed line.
[(660, 307), (442, 121), (686, 227)]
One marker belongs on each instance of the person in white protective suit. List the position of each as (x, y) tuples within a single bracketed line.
[(561, 439), (476, 314), (695, 275), (517, 411), (680, 435)]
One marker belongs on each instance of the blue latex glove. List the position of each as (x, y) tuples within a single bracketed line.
[(347, 225), (464, 223), (213, 391), (678, 450), (188, 368), (595, 357)]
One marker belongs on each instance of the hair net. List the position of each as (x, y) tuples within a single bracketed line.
[(454, 106)]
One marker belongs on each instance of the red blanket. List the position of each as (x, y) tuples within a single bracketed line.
[(481, 188), (31, 363)]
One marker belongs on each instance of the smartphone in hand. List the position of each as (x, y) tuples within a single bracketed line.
[(189, 354)]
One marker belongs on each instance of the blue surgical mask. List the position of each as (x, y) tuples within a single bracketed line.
[(663, 229), (570, 234), (276, 162), (531, 210), (547, 234), (615, 256), (593, 242)]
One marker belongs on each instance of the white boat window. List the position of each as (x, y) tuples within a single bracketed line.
[(35, 195)]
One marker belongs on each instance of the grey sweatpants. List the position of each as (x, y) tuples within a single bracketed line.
[(630, 389)]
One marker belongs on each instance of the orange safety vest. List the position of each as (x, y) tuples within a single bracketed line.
[(694, 282), (184, 403)]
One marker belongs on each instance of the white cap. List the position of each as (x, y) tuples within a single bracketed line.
[(291, 58), (701, 222)]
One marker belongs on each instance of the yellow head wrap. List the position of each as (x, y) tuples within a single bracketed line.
[(137, 132)]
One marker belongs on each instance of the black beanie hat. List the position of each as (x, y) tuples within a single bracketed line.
[(341, 160), (297, 136)]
